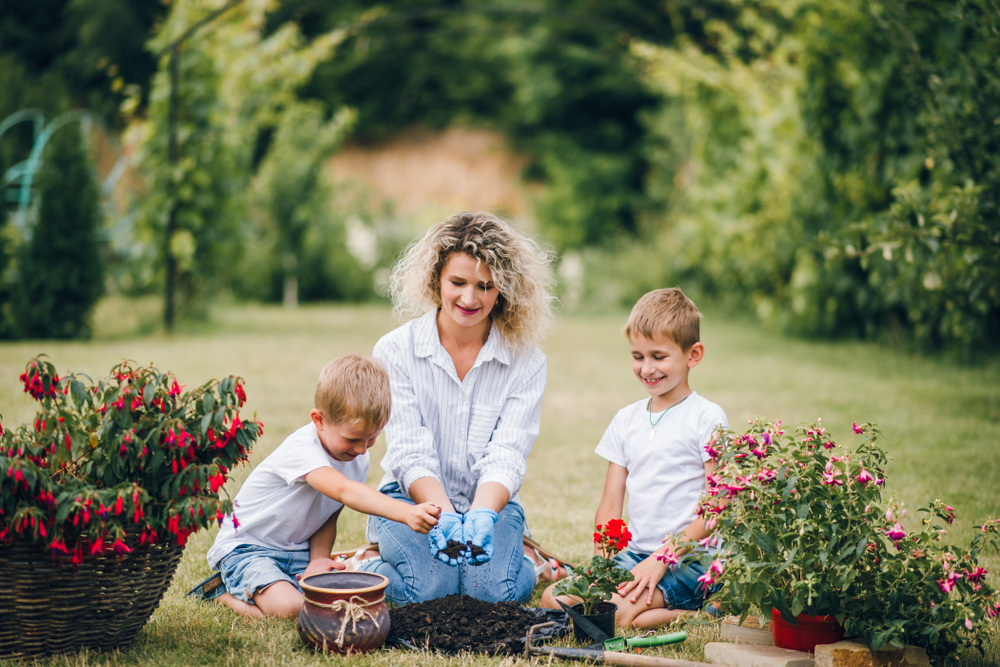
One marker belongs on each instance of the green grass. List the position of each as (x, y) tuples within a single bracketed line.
[(941, 421)]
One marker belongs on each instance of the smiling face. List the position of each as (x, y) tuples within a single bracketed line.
[(467, 291), (343, 442), (662, 368)]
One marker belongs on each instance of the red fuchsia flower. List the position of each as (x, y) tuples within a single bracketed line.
[(120, 547), (976, 575), (864, 477), (896, 533), (949, 514), (175, 389), (857, 429)]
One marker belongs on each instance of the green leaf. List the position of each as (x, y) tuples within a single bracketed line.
[(764, 542)]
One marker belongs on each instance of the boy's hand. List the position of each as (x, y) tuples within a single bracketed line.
[(478, 530), (448, 529), (422, 517), (647, 575), (320, 565)]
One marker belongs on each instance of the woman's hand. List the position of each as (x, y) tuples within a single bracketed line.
[(478, 531), (423, 517), (647, 575), (448, 529)]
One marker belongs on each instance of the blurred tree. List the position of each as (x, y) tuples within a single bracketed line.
[(189, 213), (291, 188), (60, 267)]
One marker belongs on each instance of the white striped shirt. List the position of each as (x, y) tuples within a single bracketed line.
[(462, 432)]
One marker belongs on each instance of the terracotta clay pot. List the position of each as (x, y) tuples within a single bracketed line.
[(344, 612), (810, 631), (603, 618)]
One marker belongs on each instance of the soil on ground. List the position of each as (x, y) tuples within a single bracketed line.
[(460, 623), (456, 549)]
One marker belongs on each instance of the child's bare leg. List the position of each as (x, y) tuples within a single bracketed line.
[(638, 614), (239, 606), (280, 599), (549, 598)]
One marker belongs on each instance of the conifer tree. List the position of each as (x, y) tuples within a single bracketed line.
[(61, 275)]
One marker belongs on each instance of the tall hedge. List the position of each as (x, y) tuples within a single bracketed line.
[(61, 275)]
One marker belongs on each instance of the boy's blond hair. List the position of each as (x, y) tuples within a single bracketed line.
[(354, 390), (667, 313), (519, 265)]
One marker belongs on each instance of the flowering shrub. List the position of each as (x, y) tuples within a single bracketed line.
[(132, 459), (805, 532), (603, 575)]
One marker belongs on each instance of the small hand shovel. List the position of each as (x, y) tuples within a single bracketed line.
[(618, 644), (600, 656)]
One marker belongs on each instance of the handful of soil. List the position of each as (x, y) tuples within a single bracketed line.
[(460, 623), (456, 549)]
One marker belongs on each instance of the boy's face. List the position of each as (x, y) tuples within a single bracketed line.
[(343, 442), (662, 368)]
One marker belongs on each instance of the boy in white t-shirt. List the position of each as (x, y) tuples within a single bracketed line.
[(287, 510), (656, 451)]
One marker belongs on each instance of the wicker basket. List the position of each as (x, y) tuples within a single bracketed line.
[(48, 607)]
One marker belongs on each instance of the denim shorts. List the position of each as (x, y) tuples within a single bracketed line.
[(680, 586), (249, 569)]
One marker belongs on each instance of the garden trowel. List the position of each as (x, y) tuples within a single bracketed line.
[(618, 644), (600, 656)]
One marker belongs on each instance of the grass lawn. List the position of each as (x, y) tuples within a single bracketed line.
[(941, 421)]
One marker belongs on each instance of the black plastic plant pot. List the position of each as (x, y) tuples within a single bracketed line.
[(603, 618)]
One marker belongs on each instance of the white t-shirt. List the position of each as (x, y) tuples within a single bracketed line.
[(666, 475), (276, 507)]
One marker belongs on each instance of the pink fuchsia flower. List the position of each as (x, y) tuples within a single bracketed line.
[(829, 444), (976, 575), (889, 516), (712, 451), (668, 557), (968, 624), (896, 533), (766, 437), (857, 429), (759, 452), (946, 585), (716, 567), (711, 523), (831, 478), (706, 580), (864, 477)]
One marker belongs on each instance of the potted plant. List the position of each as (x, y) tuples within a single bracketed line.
[(595, 585), (808, 538), (98, 495)]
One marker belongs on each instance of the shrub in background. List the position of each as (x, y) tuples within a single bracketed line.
[(60, 269)]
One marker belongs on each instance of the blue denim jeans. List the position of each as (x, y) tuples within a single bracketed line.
[(415, 575), (680, 586), (249, 569)]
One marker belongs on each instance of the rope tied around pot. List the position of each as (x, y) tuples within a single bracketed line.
[(354, 610)]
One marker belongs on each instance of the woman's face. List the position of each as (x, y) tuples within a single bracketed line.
[(467, 290)]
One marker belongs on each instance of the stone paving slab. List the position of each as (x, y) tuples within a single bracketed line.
[(748, 655), (855, 654), (751, 632)]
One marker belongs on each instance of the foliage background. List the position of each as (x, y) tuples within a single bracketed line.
[(829, 166)]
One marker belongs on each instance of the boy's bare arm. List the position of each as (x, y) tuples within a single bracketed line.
[(363, 498), (613, 499), (321, 545)]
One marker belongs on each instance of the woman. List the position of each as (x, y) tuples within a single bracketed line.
[(467, 379)]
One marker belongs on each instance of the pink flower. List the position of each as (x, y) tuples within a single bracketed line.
[(829, 444), (976, 575), (706, 580), (711, 523), (889, 516), (712, 451), (968, 624), (864, 477), (896, 533), (857, 429), (716, 567), (946, 584), (668, 557)]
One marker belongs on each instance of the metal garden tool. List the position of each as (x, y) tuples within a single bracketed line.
[(618, 644), (599, 656)]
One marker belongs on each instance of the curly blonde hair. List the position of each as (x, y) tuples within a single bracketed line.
[(521, 271)]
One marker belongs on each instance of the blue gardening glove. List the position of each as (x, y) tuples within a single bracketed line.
[(448, 529), (479, 531)]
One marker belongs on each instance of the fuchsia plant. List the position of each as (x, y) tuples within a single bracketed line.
[(131, 460), (805, 531)]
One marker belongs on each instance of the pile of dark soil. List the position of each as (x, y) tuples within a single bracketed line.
[(454, 549), (460, 623)]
